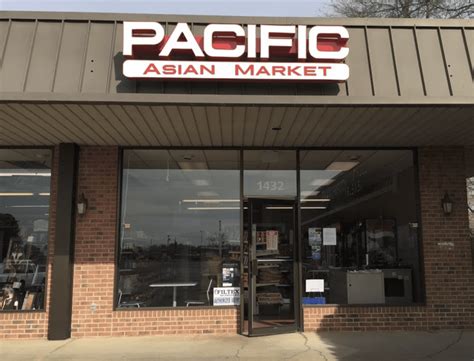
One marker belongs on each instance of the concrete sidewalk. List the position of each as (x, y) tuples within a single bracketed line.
[(327, 346)]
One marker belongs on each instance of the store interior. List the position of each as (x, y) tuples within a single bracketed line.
[(25, 176)]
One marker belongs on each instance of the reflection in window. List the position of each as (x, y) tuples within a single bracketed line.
[(180, 227), (360, 226), (269, 173), (25, 176)]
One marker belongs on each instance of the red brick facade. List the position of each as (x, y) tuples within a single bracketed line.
[(447, 261)]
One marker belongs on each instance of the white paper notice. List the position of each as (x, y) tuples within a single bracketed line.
[(226, 296), (315, 285), (329, 237)]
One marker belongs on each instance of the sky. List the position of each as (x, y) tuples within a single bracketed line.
[(198, 7)]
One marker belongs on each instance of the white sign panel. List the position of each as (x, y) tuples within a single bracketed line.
[(234, 70), (226, 296), (329, 237), (235, 52), (315, 285)]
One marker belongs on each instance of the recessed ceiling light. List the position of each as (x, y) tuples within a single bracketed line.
[(342, 166), (211, 208), (316, 200), (25, 174), (210, 200)]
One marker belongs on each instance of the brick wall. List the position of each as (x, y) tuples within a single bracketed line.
[(94, 267), (34, 324), (449, 276)]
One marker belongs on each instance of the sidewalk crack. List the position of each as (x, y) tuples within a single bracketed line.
[(45, 357), (450, 345), (237, 353), (308, 348)]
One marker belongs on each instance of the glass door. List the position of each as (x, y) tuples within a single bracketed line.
[(269, 240)]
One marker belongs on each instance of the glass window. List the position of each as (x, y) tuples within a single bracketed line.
[(25, 178), (359, 227), (270, 173), (180, 227)]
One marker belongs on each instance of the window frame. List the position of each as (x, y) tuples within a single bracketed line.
[(299, 285)]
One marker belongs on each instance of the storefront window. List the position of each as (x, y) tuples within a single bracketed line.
[(25, 177), (359, 227), (180, 228)]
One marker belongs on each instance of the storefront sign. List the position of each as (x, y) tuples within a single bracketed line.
[(226, 296), (231, 51)]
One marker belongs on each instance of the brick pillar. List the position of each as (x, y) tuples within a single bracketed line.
[(447, 251), (94, 261)]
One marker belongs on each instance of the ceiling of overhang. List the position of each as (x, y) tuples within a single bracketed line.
[(199, 125)]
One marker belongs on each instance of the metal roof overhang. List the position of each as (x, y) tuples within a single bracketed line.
[(411, 85)]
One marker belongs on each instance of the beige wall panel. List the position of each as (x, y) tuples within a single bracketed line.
[(40, 75), (99, 58), (381, 62), (406, 59), (434, 72), (17, 55), (71, 56), (460, 73), (359, 79)]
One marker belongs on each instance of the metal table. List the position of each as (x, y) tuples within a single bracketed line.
[(175, 285)]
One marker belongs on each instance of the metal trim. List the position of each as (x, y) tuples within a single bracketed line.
[(221, 99), (110, 17)]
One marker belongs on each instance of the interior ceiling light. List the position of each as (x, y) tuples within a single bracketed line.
[(211, 208), (342, 166), (25, 174), (43, 194), (12, 194), (29, 206), (316, 200), (210, 200), (313, 207)]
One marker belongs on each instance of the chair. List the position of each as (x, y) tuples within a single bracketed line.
[(130, 304), (200, 303)]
